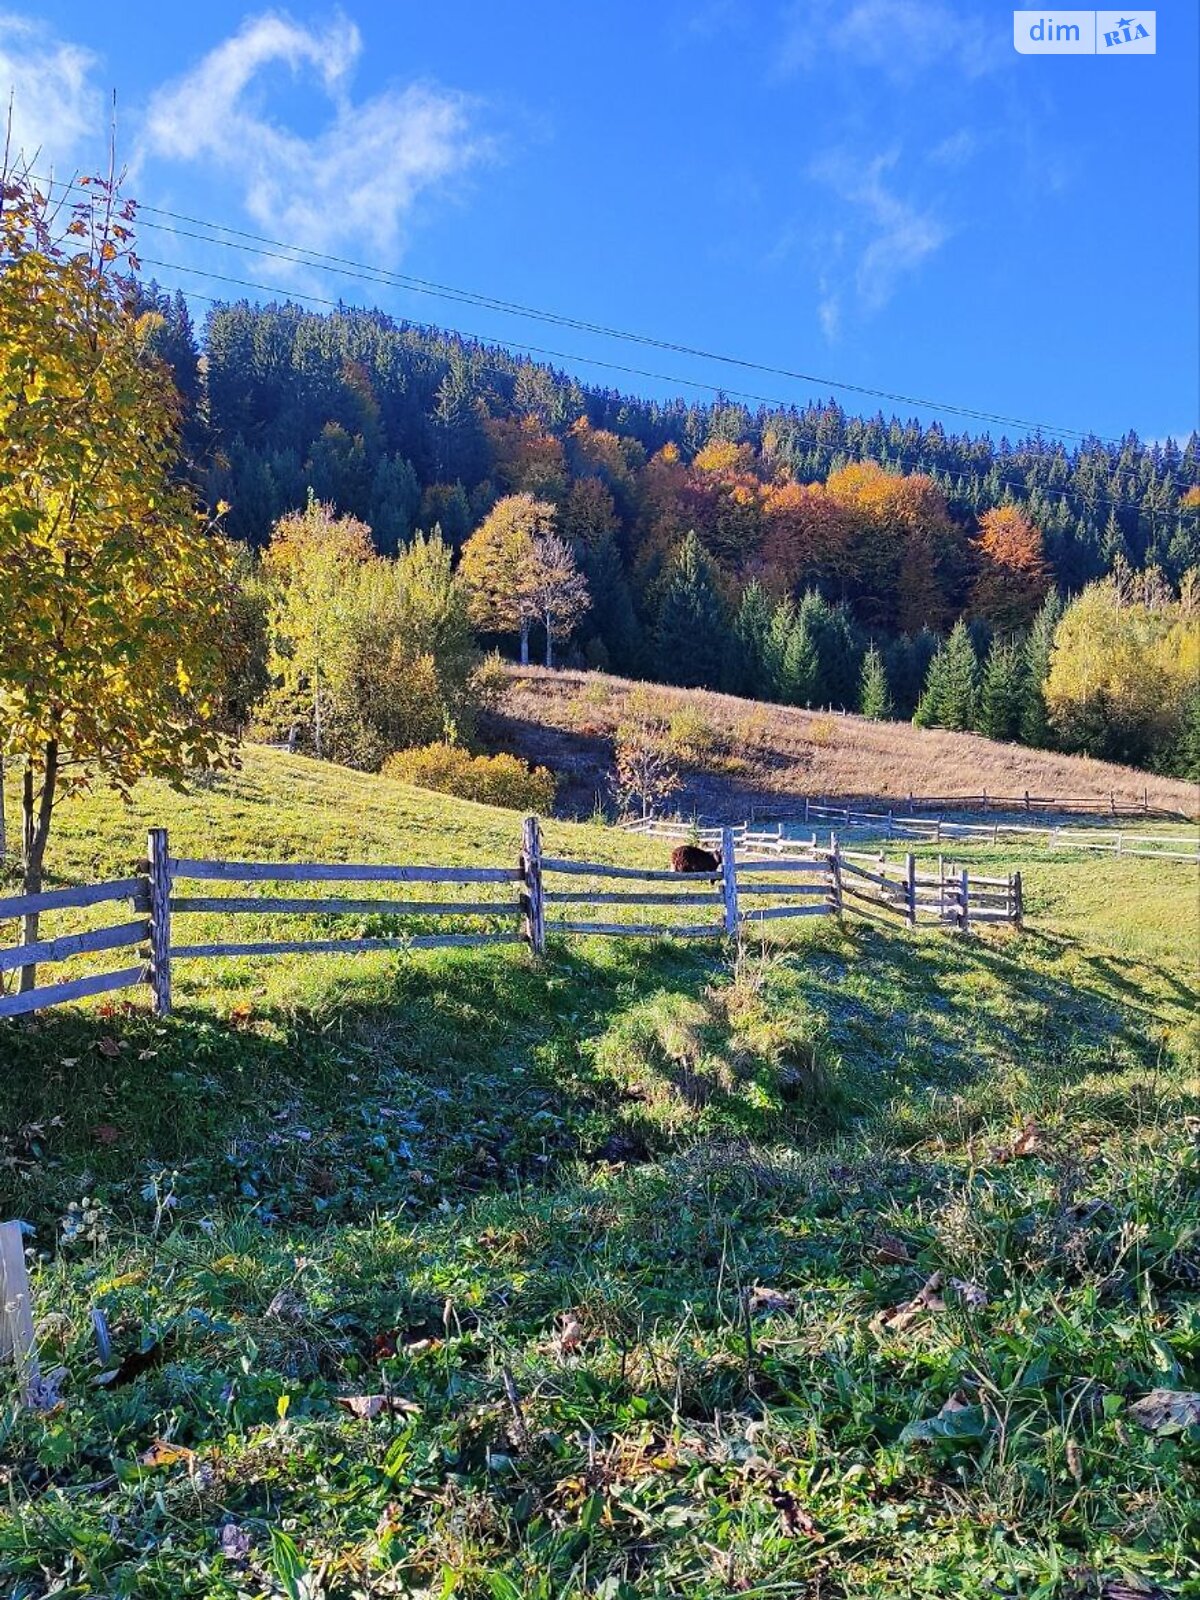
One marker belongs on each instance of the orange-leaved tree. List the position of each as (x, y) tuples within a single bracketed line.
[(112, 585), (1012, 575), (496, 563)]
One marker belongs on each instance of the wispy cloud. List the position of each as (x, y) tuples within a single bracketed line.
[(357, 179), (902, 38), (885, 237), (56, 107)]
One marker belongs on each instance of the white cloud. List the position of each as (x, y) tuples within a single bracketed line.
[(357, 179), (900, 37), (56, 107), (891, 235)]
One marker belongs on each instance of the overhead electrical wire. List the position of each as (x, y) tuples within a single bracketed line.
[(303, 255), (640, 372)]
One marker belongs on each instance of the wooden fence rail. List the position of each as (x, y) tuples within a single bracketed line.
[(749, 888)]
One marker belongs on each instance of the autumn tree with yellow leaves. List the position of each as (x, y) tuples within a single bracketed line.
[(112, 584)]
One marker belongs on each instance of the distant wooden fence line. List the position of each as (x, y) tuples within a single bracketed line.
[(930, 830), (546, 897), (1091, 805)]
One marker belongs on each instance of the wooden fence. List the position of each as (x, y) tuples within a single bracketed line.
[(1087, 805), (524, 902)]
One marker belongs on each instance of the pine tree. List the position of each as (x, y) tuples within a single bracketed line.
[(952, 685), (690, 639), (779, 633), (1035, 722), (875, 699), (1002, 692)]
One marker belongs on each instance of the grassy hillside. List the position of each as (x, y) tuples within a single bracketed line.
[(616, 1243), (747, 750)]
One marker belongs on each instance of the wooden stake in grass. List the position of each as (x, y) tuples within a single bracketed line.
[(531, 877), (159, 872), (16, 1311), (729, 882)]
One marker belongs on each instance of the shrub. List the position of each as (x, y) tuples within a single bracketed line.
[(491, 780), (692, 737)]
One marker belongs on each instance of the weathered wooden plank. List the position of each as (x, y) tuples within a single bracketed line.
[(893, 884), (268, 905), (74, 944), (770, 913), (158, 860), (566, 897), (16, 1311), (83, 894), (784, 864), (54, 994), (336, 872), (595, 869), (289, 947), (874, 900), (749, 890), (634, 930)]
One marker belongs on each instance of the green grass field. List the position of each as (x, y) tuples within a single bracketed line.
[(612, 1244)]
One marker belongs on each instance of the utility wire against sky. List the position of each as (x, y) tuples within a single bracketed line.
[(302, 255), (917, 463)]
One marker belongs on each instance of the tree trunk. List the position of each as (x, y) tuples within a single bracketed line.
[(35, 831), (3, 828), (317, 747), (524, 644), (549, 643)]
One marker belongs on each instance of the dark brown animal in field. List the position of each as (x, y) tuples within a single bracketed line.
[(691, 858)]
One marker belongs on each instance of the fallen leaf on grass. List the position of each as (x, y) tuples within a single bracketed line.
[(570, 1335), (1029, 1140), (959, 1418), (927, 1299), (235, 1543), (106, 1133), (1167, 1410), (767, 1301), (369, 1406), (969, 1294), (108, 1046), (163, 1454), (793, 1518), (287, 1306)]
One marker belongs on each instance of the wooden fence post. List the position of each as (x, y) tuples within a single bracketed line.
[(159, 870), (910, 887), (729, 882), (1018, 901), (1027, 799), (16, 1311), (965, 891), (531, 876), (835, 872)]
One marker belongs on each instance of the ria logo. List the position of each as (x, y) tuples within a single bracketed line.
[(1125, 31), (1084, 33)]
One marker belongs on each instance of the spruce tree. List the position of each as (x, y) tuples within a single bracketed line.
[(779, 633), (801, 666), (690, 640), (1002, 692), (952, 685), (875, 699), (745, 671), (1035, 722)]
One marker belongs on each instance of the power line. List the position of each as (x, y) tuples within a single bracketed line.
[(640, 372), (302, 255)]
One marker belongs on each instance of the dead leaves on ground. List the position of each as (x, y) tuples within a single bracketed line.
[(930, 1300), (369, 1406), (1028, 1140), (1167, 1411)]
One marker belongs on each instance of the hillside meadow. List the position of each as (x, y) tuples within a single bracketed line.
[(737, 752), (838, 1266)]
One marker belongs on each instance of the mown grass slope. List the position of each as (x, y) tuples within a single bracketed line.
[(613, 1245)]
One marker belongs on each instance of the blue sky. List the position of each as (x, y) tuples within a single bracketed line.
[(881, 192)]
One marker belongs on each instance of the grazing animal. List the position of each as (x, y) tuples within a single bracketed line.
[(691, 858)]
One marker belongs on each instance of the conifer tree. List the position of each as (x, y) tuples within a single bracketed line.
[(801, 666), (690, 639), (746, 658), (779, 632), (1035, 721), (875, 699), (1002, 692), (952, 685)]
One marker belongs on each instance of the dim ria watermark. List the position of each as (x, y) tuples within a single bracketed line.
[(1084, 33)]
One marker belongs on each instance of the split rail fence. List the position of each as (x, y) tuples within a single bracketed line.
[(536, 896)]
